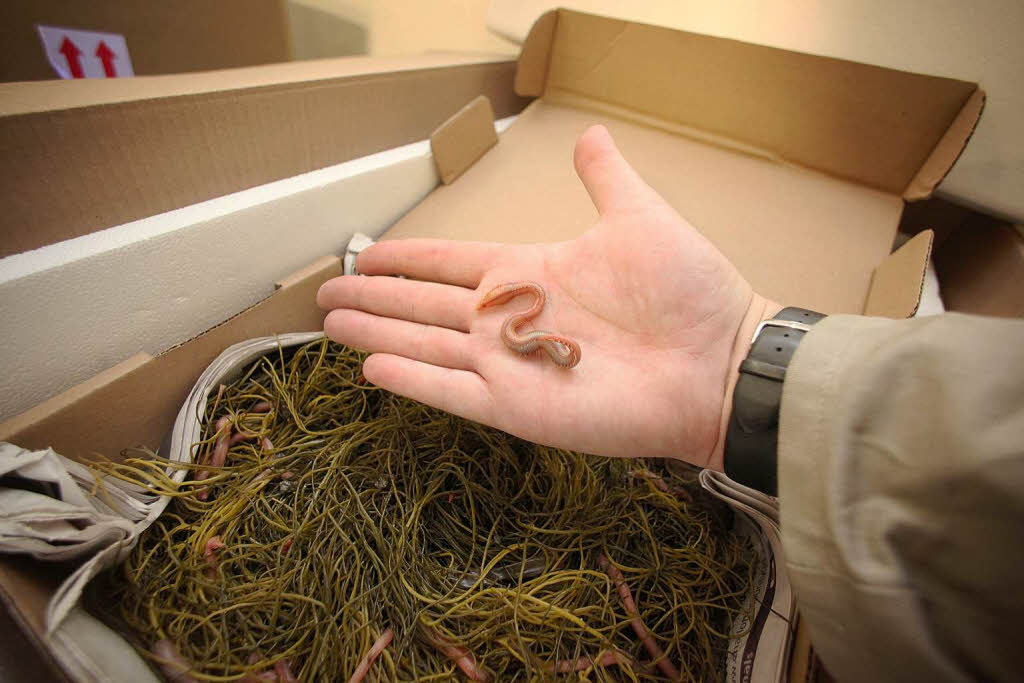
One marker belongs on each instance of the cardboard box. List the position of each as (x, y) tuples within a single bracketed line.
[(162, 37), (979, 258), (158, 281), (81, 156), (796, 167), (977, 42), (777, 157)]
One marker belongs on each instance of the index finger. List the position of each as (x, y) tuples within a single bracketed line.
[(447, 261)]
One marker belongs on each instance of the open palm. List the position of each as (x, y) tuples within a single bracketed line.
[(657, 310)]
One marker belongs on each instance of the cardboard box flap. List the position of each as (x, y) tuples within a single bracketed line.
[(81, 157), (867, 124), (88, 391), (464, 138), (137, 415), (56, 95), (897, 283), (782, 226), (535, 56), (948, 149)]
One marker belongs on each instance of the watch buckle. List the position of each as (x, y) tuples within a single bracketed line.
[(771, 322)]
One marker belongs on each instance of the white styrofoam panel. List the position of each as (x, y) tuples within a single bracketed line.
[(972, 41), (72, 309)]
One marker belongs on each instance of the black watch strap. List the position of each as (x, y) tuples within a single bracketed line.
[(751, 440)]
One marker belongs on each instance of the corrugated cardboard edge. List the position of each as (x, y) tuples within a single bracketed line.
[(949, 148), (535, 56), (897, 283), (321, 264), (57, 422), (55, 95), (462, 139)]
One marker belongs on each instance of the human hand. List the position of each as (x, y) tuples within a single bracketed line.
[(662, 317)]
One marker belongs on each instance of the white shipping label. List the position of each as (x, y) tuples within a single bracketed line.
[(86, 54)]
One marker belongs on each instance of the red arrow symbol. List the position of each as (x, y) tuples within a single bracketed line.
[(71, 53), (107, 56)]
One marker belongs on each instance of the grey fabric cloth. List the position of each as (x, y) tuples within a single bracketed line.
[(901, 486)]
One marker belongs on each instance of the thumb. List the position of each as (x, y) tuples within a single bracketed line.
[(610, 180)]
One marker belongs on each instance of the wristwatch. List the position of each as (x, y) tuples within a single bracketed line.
[(751, 440)]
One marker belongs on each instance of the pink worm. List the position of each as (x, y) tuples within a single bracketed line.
[(462, 657), (260, 677), (364, 664), (282, 672), (283, 668), (210, 555), (261, 407), (636, 622), (173, 665), (660, 484), (203, 493), (565, 666), (562, 350), (225, 442), (220, 449), (239, 437), (220, 453), (654, 478), (269, 472)]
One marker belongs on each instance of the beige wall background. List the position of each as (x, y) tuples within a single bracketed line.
[(327, 28)]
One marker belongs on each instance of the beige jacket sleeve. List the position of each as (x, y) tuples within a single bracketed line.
[(901, 485)]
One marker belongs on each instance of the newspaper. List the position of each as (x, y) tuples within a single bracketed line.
[(765, 629)]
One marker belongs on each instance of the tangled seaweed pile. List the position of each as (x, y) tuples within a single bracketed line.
[(346, 524)]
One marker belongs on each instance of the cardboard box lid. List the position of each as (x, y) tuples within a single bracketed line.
[(55, 95), (972, 41), (807, 224), (891, 130), (81, 156)]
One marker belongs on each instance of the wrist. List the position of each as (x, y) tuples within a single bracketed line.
[(758, 310)]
